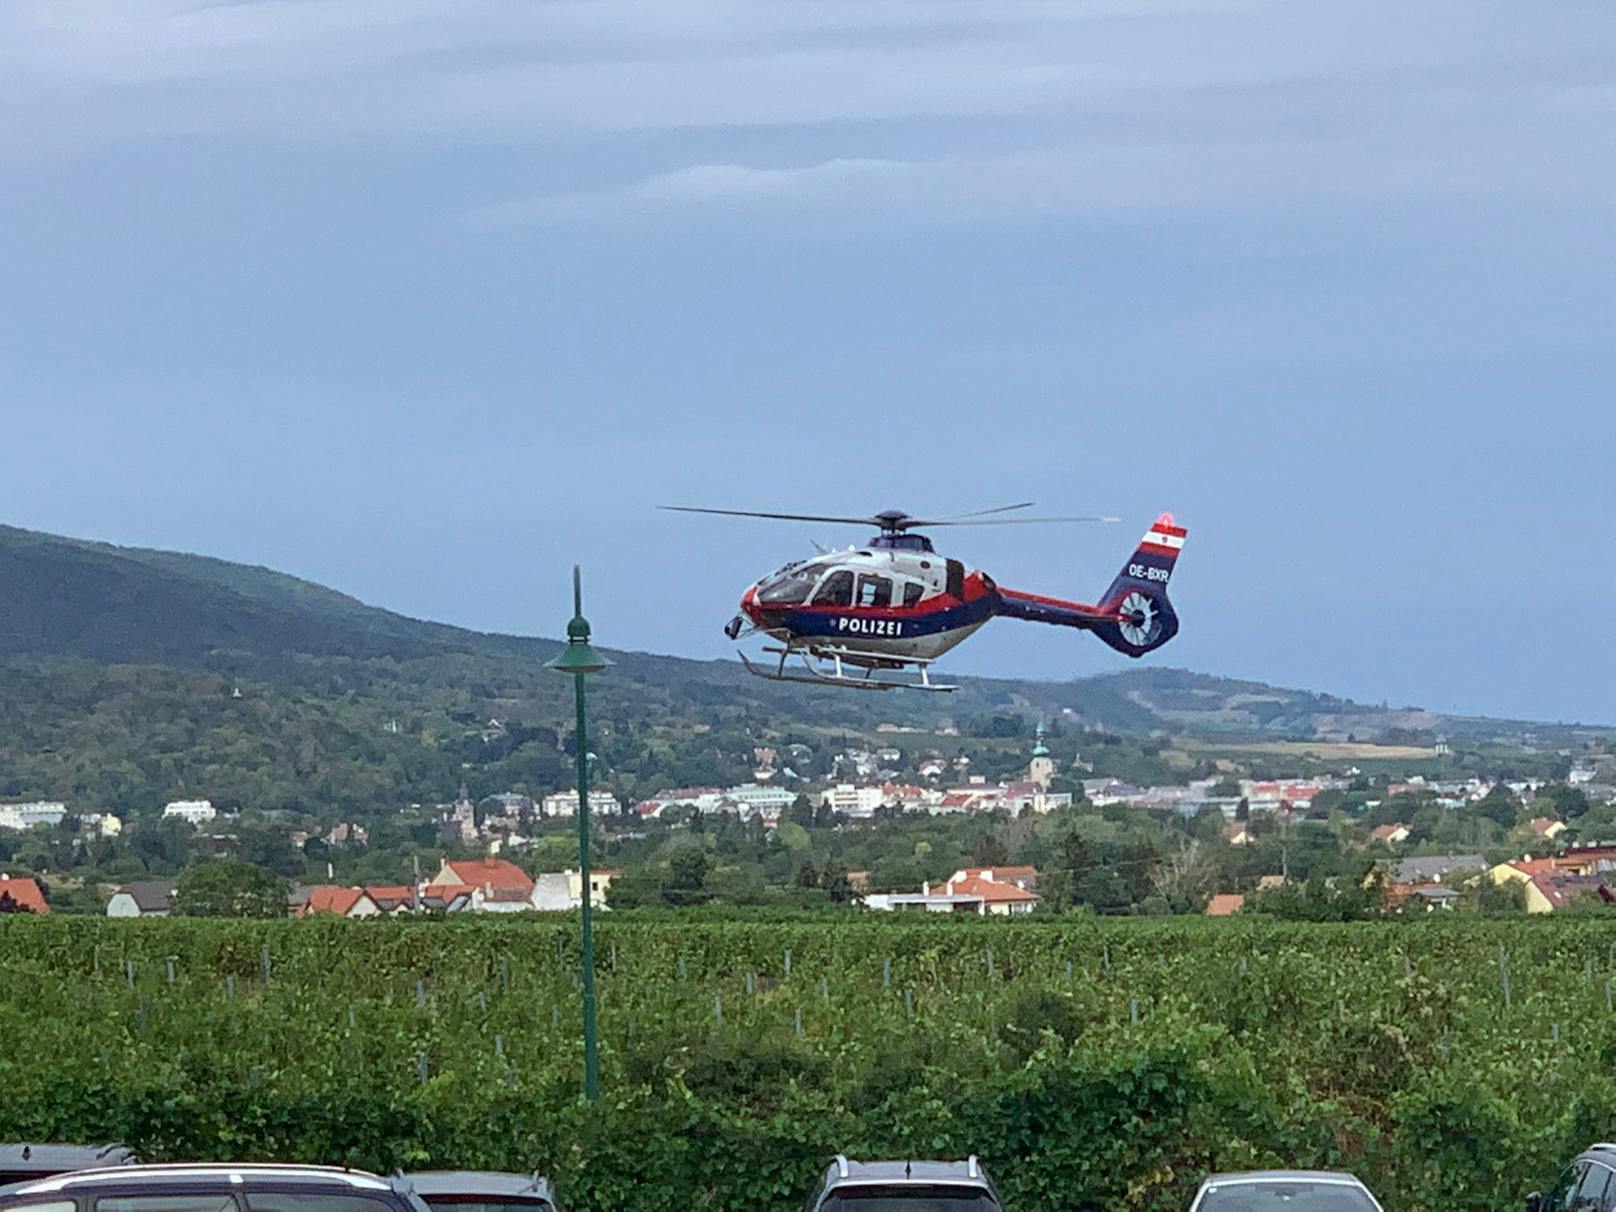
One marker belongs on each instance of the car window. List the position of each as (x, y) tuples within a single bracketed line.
[(314, 1201), (1591, 1191), (1565, 1189), (1296, 1195), (910, 1197), (219, 1202), (498, 1203), (54, 1205)]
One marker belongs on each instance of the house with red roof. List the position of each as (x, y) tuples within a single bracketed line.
[(21, 893), (497, 885), (337, 901), (1225, 904), (1390, 835), (985, 891)]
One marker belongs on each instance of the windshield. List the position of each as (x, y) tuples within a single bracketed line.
[(790, 586), (1294, 1196), (911, 1198)]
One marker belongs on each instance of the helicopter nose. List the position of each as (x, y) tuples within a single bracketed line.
[(749, 603)]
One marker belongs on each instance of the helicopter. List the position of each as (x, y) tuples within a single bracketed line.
[(866, 617)]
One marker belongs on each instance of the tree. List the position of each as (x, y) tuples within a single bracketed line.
[(990, 851), (1500, 805), (229, 888), (1184, 876), (687, 877)]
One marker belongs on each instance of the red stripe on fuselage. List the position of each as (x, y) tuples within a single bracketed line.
[(1060, 603)]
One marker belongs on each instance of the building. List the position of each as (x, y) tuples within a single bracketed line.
[(560, 891), (32, 814), (1437, 868), (1389, 835), (1546, 827), (396, 900), (193, 812), (565, 803), (497, 886), (337, 901), (852, 800), (1041, 769), (985, 891), (1225, 904), (1552, 883), (143, 898), (20, 892)]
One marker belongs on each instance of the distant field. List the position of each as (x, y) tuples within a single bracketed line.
[(1105, 1064), (1324, 751)]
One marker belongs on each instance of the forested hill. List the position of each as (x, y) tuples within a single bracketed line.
[(128, 674)]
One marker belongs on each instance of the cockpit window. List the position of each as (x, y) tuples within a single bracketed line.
[(874, 590), (913, 592), (791, 585), (836, 591)]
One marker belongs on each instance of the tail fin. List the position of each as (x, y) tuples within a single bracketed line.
[(1146, 619)]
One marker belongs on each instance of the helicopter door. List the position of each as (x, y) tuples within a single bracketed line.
[(956, 580)]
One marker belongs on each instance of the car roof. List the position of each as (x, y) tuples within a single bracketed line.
[(1234, 1178), (844, 1172), (230, 1172), (478, 1182), (57, 1159)]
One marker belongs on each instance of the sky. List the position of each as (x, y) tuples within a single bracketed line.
[(426, 301)]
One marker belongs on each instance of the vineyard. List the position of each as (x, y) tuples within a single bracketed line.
[(1453, 1065)]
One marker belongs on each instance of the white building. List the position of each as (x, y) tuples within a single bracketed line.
[(565, 803), (32, 815), (753, 798), (192, 812), (563, 890), (852, 800)]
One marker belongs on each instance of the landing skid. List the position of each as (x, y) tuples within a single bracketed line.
[(828, 667)]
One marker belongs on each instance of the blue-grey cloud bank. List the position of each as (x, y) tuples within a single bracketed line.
[(428, 300)]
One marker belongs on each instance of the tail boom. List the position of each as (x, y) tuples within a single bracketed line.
[(1134, 617)]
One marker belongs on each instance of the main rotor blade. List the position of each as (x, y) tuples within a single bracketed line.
[(782, 517), (1009, 521), (982, 513)]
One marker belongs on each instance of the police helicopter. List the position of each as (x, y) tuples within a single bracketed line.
[(866, 616)]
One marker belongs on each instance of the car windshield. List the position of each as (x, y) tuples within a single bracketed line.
[(1300, 1195), (910, 1198), (791, 585)]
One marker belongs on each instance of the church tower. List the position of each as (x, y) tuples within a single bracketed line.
[(1042, 767)]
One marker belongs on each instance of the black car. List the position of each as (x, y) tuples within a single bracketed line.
[(19, 1163), (212, 1188), (1587, 1185), (483, 1191)]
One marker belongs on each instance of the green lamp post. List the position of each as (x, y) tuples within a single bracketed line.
[(579, 659)]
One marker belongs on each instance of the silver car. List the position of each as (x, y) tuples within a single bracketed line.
[(904, 1186), (1284, 1191)]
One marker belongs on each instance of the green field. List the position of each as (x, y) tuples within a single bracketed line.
[(1108, 1065)]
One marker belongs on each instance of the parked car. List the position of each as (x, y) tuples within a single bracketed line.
[(1284, 1191), (212, 1188), (483, 1191), (18, 1163), (1588, 1184), (904, 1186)]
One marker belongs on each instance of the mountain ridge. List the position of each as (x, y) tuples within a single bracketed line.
[(79, 599)]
